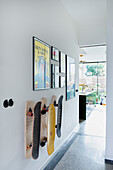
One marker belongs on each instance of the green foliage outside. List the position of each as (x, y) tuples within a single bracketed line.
[(94, 70), (93, 98)]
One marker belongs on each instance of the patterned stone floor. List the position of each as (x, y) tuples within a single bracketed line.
[(87, 148)]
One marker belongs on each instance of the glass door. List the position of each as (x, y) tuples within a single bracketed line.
[(92, 78)]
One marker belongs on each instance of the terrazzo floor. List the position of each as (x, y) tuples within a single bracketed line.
[(88, 150)]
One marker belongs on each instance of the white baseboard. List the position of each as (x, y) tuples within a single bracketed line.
[(58, 148)]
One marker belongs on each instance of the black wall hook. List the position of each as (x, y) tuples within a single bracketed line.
[(7, 103), (11, 102)]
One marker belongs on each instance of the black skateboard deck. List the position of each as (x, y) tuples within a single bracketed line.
[(44, 117), (59, 117), (59, 114), (36, 130)]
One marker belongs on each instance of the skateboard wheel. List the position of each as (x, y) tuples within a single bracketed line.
[(43, 142), (30, 114), (28, 147), (43, 112)]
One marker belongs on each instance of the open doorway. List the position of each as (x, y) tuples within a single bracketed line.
[(92, 88)]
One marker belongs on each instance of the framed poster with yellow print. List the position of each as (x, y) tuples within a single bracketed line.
[(41, 64)]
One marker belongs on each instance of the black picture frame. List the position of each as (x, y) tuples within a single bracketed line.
[(62, 69), (62, 62), (54, 76), (41, 65), (70, 77), (62, 81), (54, 54)]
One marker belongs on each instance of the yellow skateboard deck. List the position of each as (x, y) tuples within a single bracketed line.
[(43, 121), (51, 129), (53, 102), (28, 128)]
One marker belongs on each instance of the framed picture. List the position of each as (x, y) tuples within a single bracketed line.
[(54, 76), (54, 54), (62, 81), (61, 62), (70, 78), (62, 69), (41, 64)]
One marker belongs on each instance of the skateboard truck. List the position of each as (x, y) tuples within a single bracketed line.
[(28, 146), (55, 104), (30, 113), (45, 109)]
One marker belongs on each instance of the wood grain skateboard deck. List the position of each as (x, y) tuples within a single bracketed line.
[(36, 130), (51, 129), (28, 128), (43, 138)]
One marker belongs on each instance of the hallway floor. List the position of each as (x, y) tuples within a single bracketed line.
[(87, 152)]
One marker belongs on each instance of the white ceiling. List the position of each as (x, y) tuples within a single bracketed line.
[(91, 54), (90, 20), (86, 11)]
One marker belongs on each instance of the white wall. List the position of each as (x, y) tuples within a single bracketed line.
[(19, 21), (109, 113), (92, 34)]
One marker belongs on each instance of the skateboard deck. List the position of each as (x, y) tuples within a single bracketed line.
[(59, 114), (51, 129), (59, 117), (28, 128), (43, 137), (36, 130)]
